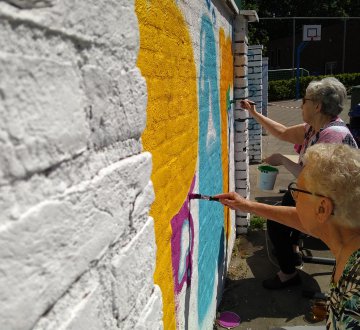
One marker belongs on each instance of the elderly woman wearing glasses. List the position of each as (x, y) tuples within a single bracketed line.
[(327, 195), (323, 102)]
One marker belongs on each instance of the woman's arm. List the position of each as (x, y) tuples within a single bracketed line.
[(279, 159), (286, 215), (293, 134)]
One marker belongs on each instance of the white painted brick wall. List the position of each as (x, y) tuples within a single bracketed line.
[(255, 93), (265, 68), (30, 141), (76, 242), (246, 85), (133, 289), (241, 136), (151, 315)]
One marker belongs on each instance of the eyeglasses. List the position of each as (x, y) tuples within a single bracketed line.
[(295, 192), (304, 99)]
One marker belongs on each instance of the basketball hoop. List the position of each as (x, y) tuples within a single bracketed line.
[(311, 32)]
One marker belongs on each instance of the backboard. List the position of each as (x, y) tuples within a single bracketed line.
[(311, 32)]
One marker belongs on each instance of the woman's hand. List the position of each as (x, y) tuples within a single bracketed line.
[(279, 159), (248, 105), (234, 201), (275, 160)]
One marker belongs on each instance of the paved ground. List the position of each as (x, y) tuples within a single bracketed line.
[(258, 308)]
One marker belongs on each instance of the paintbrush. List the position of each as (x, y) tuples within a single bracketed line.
[(250, 102), (204, 197)]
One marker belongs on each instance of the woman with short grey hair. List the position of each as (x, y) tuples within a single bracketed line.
[(330, 92), (323, 101), (327, 195)]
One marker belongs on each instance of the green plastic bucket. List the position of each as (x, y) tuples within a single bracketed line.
[(267, 177)]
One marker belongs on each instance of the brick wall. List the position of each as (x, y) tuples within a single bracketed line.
[(111, 111), (265, 83), (243, 146), (77, 245), (186, 58), (255, 94)]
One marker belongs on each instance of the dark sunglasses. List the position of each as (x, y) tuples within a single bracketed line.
[(295, 192)]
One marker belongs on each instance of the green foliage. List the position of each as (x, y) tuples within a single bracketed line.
[(265, 30), (289, 8), (286, 89), (257, 222)]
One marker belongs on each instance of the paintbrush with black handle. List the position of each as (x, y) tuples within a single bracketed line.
[(204, 197)]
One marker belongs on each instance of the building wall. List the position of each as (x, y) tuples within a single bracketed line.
[(243, 82), (111, 111), (77, 245), (255, 94), (265, 87), (186, 58)]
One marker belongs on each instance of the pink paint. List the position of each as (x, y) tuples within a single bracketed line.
[(229, 320), (180, 223)]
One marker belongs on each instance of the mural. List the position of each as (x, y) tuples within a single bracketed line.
[(171, 132), (187, 133), (226, 85), (182, 241), (210, 169)]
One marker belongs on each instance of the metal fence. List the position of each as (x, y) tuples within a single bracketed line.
[(283, 74)]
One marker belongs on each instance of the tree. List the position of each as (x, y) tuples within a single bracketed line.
[(268, 30)]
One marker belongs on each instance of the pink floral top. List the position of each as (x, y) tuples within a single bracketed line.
[(334, 132)]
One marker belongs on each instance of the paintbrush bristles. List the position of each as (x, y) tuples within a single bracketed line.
[(203, 197), (250, 102), (194, 196)]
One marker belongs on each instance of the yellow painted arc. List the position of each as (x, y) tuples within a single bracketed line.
[(226, 83), (166, 61)]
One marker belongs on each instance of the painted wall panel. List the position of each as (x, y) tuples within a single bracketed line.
[(186, 58)]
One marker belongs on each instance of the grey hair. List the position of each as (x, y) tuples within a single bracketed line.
[(330, 92), (333, 170)]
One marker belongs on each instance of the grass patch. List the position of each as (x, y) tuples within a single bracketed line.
[(257, 222)]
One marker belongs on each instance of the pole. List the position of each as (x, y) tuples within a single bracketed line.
[(298, 72), (298, 51), (344, 45), (293, 49)]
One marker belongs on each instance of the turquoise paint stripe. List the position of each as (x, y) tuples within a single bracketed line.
[(211, 214)]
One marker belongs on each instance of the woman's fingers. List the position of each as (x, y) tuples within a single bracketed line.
[(247, 104), (274, 160)]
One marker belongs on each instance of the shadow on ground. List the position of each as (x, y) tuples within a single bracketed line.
[(257, 307)]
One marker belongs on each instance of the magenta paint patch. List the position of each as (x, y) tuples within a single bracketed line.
[(182, 243), (228, 320)]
